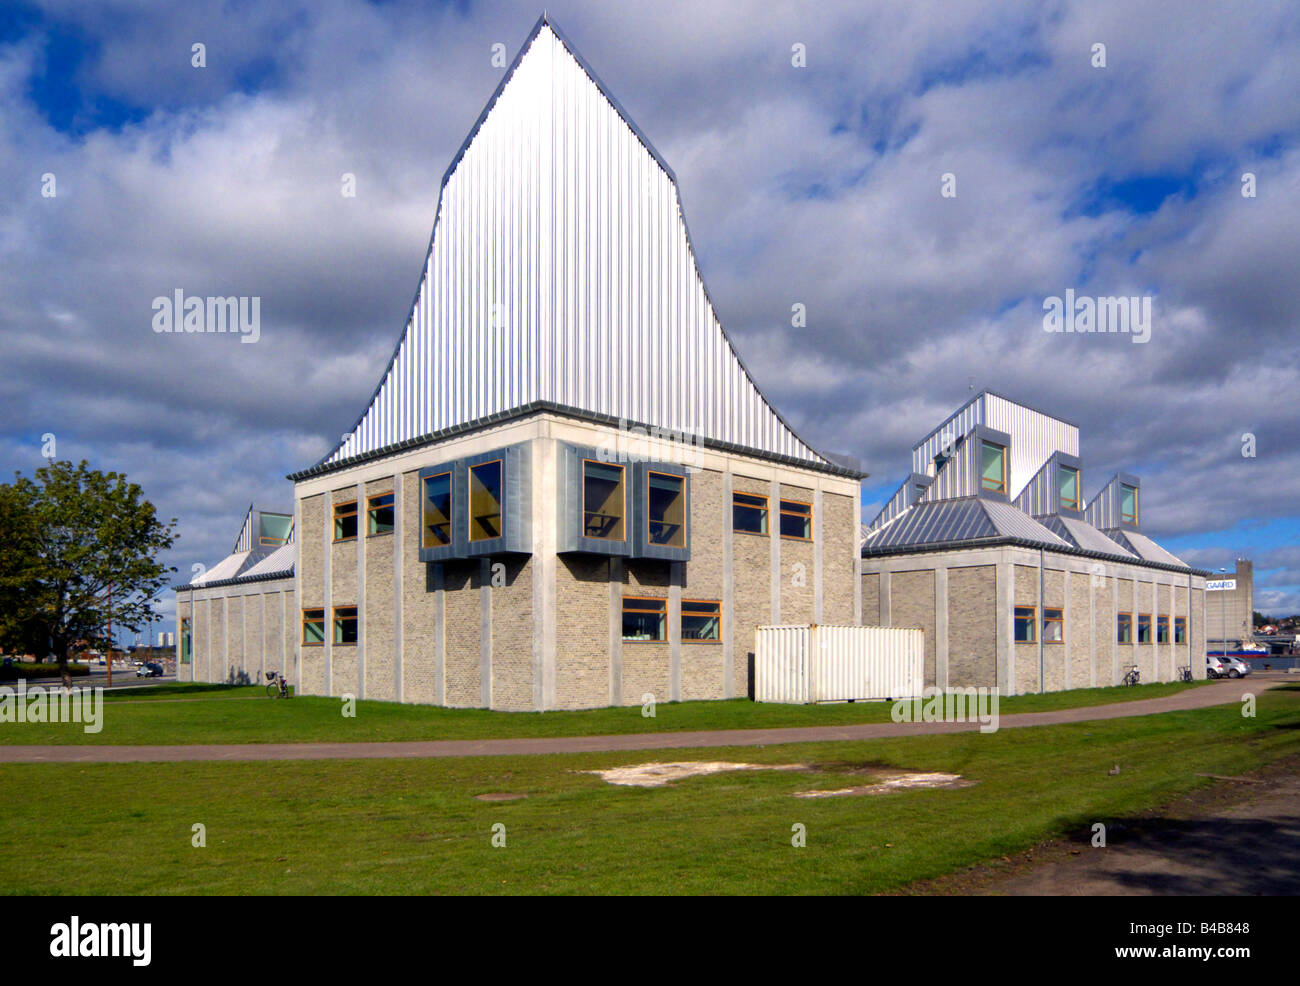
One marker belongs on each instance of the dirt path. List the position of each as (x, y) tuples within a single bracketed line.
[(1218, 693), (1240, 837)]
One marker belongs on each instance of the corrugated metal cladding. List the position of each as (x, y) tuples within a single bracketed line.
[(806, 663), (1034, 437), (561, 270), (957, 477), (1104, 510)]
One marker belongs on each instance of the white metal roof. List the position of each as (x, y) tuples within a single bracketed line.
[(561, 271)]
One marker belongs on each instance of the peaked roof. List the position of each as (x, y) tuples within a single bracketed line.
[(964, 521), (560, 275), (250, 561)]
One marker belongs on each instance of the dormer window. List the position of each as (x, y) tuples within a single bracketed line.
[(1128, 504), (1069, 482), (993, 467)]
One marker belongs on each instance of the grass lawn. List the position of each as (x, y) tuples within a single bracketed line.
[(414, 827), (166, 714)]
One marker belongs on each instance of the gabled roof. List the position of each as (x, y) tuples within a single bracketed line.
[(250, 561), (1084, 536), (1145, 548), (561, 273)]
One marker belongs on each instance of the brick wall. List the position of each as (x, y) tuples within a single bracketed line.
[(912, 605), (972, 627)]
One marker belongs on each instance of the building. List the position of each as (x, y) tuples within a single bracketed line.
[(237, 619), (989, 546), (566, 490), (1230, 607)]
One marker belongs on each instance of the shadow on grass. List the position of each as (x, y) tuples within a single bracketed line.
[(176, 690), (1215, 856)]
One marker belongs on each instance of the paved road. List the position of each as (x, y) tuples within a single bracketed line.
[(1218, 693)]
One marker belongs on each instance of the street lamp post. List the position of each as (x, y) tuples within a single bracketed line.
[(1223, 615)]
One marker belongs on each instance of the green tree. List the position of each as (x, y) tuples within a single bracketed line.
[(68, 537)]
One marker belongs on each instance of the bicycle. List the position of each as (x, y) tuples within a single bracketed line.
[(277, 687), (1132, 676), (1185, 674)]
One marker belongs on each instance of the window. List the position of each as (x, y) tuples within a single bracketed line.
[(313, 626), (379, 514), (1124, 628), (1025, 624), (1128, 509), (1180, 629), (1144, 628), (1162, 629), (437, 510), (604, 501), (485, 501), (796, 520), (993, 467), (273, 529), (1069, 482), (186, 642), (748, 513), (666, 507), (1053, 625), (345, 521), (345, 624), (645, 619), (701, 620)]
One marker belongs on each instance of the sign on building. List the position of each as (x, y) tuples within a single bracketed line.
[(1221, 585)]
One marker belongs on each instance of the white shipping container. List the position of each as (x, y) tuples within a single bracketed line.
[(802, 663)]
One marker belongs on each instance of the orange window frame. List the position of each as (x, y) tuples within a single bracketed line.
[(341, 513), (766, 508), (306, 618), (796, 513), (622, 483), (1124, 619), (1060, 618), (501, 501), (717, 611)]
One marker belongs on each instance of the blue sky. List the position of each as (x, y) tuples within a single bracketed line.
[(818, 185)]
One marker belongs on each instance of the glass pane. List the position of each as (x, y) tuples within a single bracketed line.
[(485, 501), (667, 508), (991, 466), (345, 521), (641, 625), (1024, 624), (796, 519), (1128, 504), (1069, 488), (274, 528), (749, 514), (602, 501), (700, 627), (437, 510), (381, 514)]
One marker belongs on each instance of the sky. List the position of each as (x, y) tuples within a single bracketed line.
[(820, 184)]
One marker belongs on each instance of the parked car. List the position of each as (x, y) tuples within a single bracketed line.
[(150, 669), (1215, 668), (1237, 668)]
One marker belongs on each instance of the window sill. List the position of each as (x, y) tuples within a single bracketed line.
[(343, 540), (313, 643), (753, 534), (792, 537), (377, 534), (349, 643), (715, 642), (638, 640)]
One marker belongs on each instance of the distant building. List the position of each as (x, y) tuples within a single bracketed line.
[(989, 546), (1229, 611)]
